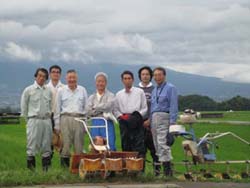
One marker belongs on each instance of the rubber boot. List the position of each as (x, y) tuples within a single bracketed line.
[(52, 152), (46, 162), (157, 168), (167, 169), (31, 162), (65, 162)]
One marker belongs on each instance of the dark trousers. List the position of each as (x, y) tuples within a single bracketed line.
[(149, 144), (53, 126), (132, 139), (52, 121)]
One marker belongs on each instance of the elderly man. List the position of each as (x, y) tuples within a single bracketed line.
[(54, 84), (71, 102), (130, 109), (145, 75), (36, 109), (99, 104), (164, 112)]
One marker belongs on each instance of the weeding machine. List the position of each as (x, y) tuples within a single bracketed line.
[(104, 162), (202, 150)]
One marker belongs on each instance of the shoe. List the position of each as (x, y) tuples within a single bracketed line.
[(46, 162), (157, 168), (31, 162), (167, 169), (65, 162)]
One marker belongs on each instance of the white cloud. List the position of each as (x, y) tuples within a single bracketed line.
[(21, 52), (133, 43), (227, 72), (177, 33)]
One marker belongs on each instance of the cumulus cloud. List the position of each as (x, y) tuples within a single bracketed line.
[(178, 34), (21, 52), (133, 43)]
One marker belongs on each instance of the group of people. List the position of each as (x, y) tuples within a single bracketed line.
[(144, 114)]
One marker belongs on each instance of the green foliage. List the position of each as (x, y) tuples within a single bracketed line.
[(13, 169), (204, 103), (196, 102)]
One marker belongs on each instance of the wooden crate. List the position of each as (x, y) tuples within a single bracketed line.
[(134, 164), (113, 164), (75, 160)]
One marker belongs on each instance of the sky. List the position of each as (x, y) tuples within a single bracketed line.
[(210, 38)]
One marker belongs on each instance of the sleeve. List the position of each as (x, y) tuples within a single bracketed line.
[(107, 105), (117, 111), (144, 106), (85, 96), (51, 101), (173, 111), (58, 109), (24, 104), (89, 106)]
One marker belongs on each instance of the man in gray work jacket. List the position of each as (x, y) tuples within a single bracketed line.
[(36, 109)]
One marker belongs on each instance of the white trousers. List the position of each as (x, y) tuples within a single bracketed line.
[(159, 128), (39, 137)]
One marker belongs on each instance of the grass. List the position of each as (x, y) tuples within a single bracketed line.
[(13, 156)]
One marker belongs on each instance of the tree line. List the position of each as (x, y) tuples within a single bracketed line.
[(204, 103), (196, 102)]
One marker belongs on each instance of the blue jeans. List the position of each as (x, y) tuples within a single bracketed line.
[(102, 132)]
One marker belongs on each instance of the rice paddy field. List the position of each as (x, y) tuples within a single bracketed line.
[(13, 169)]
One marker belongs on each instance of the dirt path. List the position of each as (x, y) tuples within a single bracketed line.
[(165, 185)]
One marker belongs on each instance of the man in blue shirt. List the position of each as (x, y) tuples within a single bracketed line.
[(164, 112)]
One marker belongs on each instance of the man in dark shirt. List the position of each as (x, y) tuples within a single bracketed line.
[(145, 75)]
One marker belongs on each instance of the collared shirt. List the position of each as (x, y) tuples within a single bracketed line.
[(68, 101), (54, 90), (148, 92), (165, 99), (97, 104), (36, 101), (128, 102)]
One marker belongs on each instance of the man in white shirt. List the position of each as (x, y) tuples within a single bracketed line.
[(131, 107), (36, 109), (54, 84), (71, 102)]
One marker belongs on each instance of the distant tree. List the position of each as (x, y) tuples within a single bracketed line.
[(236, 103), (197, 102), (6, 109)]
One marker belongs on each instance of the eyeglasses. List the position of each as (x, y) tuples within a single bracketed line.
[(58, 72)]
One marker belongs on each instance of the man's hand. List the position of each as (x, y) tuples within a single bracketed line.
[(146, 124), (124, 117), (57, 131)]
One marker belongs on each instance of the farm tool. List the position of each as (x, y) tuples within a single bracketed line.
[(105, 161), (202, 150)]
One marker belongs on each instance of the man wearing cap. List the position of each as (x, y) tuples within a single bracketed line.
[(36, 109), (164, 112), (99, 104), (71, 102), (145, 75), (130, 109)]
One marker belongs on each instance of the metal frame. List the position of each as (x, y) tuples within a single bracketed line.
[(96, 147)]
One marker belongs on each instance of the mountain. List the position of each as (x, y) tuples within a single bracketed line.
[(14, 77)]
